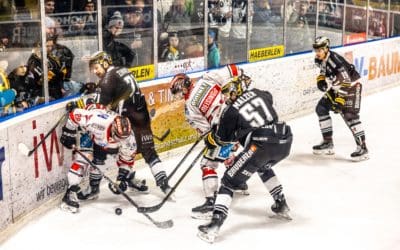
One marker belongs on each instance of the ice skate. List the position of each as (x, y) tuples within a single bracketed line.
[(204, 211), (137, 185), (243, 189), (91, 193), (325, 147), (209, 232), (166, 189), (361, 153), (70, 202), (281, 209)]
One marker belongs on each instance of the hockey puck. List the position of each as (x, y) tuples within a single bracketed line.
[(118, 211)]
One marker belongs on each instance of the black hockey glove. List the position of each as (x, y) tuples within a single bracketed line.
[(68, 137), (121, 181), (88, 88), (210, 141), (321, 83)]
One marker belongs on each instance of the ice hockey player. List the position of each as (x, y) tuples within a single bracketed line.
[(120, 92), (203, 104), (110, 132), (250, 119), (342, 95)]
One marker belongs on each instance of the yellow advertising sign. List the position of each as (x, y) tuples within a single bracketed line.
[(266, 53), (145, 72)]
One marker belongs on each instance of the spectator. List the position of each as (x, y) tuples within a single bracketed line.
[(133, 18), (177, 16), (18, 81), (49, 7), (262, 13), (35, 72), (87, 23), (171, 52), (7, 94), (213, 56), (121, 54)]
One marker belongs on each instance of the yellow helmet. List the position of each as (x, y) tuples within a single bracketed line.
[(99, 58)]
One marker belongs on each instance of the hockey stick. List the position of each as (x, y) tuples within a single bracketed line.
[(184, 158), (159, 224), (159, 205), (24, 149), (163, 136)]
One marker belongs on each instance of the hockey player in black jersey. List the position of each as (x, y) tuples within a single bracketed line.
[(120, 92), (342, 95), (250, 119)]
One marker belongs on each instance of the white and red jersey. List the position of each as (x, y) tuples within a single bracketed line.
[(98, 123), (203, 105)]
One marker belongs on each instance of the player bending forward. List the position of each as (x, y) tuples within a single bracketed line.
[(250, 119), (203, 103), (113, 134)]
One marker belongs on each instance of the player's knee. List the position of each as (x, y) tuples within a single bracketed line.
[(321, 110), (74, 178), (208, 172), (348, 116)]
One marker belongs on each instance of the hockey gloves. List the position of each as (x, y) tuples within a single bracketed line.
[(121, 181), (88, 88), (210, 141), (321, 83), (68, 137)]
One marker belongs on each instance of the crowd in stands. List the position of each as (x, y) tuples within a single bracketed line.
[(128, 35)]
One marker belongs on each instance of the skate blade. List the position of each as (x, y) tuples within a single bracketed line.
[(281, 216), (207, 237), (66, 208), (242, 192), (202, 216), (136, 191), (360, 158), (324, 152)]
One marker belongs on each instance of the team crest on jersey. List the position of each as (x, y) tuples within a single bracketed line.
[(200, 93), (209, 99)]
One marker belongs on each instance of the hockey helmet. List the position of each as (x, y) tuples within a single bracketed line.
[(178, 82), (121, 127), (100, 57), (321, 42), (236, 87)]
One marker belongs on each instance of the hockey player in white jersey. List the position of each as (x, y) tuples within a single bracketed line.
[(106, 129), (203, 105)]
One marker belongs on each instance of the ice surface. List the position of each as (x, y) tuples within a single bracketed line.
[(335, 203)]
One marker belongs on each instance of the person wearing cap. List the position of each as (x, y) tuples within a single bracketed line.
[(120, 53), (171, 52), (213, 56)]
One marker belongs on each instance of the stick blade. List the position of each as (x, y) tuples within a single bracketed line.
[(23, 149), (165, 224), (148, 209)]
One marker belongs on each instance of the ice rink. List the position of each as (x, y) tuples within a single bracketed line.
[(335, 203)]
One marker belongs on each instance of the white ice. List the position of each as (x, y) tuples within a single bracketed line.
[(335, 203)]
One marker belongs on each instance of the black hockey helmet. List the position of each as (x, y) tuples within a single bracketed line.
[(321, 42), (121, 127), (100, 57), (178, 82)]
